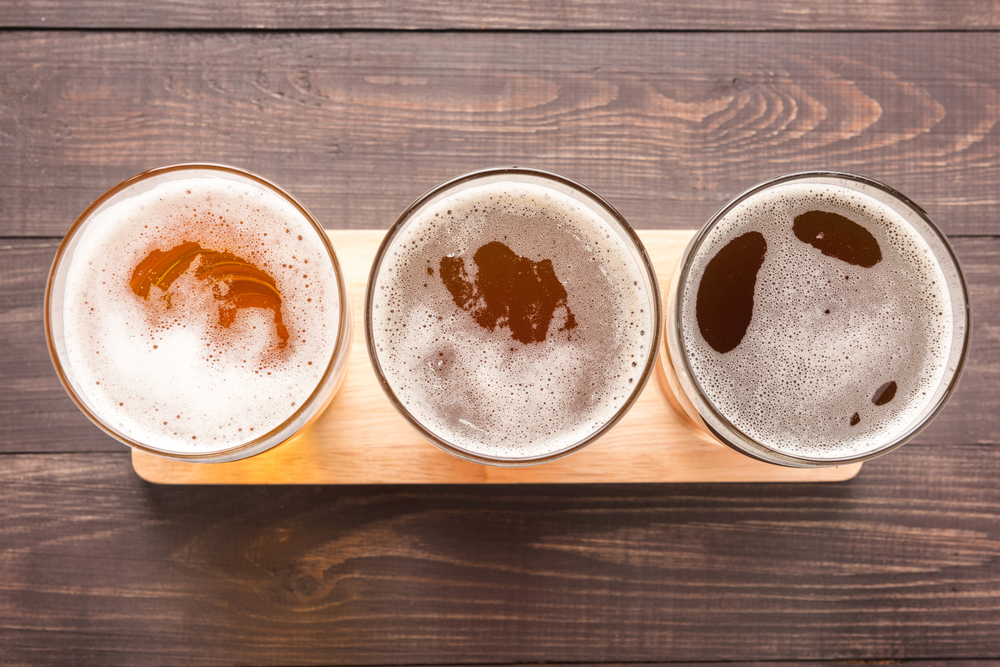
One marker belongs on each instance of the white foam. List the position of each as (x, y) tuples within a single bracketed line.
[(173, 378), (801, 372), (482, 390)]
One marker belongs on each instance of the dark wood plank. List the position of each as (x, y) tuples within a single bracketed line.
[(770, 663), (973, 413), (37, 416), (35, 411), (505, 15), (667, 126), (96, 567)]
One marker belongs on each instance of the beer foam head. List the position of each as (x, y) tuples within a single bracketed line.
[(827, 337), (165, 371), (467, 378)]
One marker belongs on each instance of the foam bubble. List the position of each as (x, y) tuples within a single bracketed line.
[(482, 390), (825, 334), (163, 371)]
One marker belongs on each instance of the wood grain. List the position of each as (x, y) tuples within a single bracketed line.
[(777, 663), (898, 566), (98, 567), (37, 416), (34, 408), (736, 15), (668, 127), (361, 439)]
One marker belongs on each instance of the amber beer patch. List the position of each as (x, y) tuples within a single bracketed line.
[(235, 282)]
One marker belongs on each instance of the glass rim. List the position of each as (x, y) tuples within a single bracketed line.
[(754, 448), (647, 267), (252, 447)]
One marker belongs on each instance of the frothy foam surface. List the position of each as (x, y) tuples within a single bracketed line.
[(483, 390), (825, 334), (163, 371)]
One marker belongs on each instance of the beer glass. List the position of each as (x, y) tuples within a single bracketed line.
[(198, 312), (512, 316), (818, 319)]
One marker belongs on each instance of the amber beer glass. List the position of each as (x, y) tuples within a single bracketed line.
[(198, 312), (818, 319), (512, 316)]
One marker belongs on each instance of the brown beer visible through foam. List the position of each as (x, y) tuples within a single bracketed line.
[(521, 294), (816, 321), (510, 320)]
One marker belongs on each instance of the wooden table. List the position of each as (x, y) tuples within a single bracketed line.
[(668, 109)]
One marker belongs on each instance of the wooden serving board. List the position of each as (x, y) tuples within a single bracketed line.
[(361, 439)]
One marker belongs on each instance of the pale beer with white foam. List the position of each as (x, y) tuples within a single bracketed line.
[(198, 312)]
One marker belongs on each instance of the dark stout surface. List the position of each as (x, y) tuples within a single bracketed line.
[(885, 393), (837, 236), (820, 334), (725, 293)]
